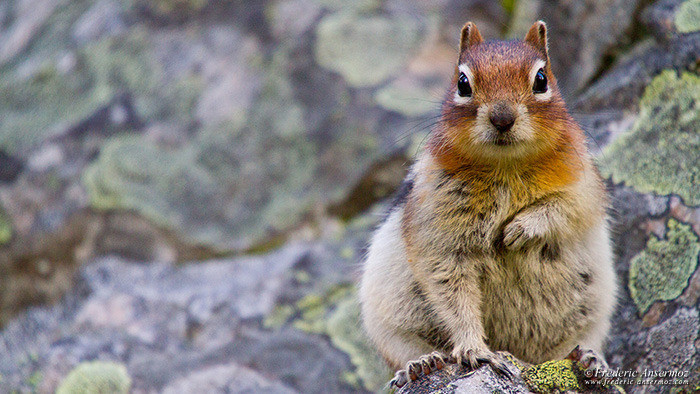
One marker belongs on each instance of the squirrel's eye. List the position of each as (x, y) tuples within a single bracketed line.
[(463, 87), (540, 85)]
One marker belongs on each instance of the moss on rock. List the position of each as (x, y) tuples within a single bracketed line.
[(660, 152), (552, 376), (662, 270), (96, 377), (687, 16), (365, 50)]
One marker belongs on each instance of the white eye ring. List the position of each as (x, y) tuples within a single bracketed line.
[(459, 100), (533, 72)]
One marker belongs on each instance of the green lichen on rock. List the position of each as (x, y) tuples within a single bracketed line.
[(336, 313), (204, 188), (509, 6), (167, 186), (407, 100), (96, 377), (662, 270), (133, 173), (62, 93), (552, 376), (346, 333), (365, 50), (241, 182), (171, 7), (279, 316), (34, 380), (660, 152), (313, 308), (687, 16), (5, 227), (357, 5)]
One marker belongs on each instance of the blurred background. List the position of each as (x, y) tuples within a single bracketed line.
[(187, 186)]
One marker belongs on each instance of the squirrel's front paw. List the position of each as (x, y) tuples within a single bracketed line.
[(414, 369), (473, 358), (522, 231)]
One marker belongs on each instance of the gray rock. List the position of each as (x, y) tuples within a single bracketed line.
[(489, 16), (582, 33), (173, 326), (229, 378), (251, 288), (291, 19), (659, 18), (455, 380), (671, 344), (105, 18), (29, 18), (623, 85)]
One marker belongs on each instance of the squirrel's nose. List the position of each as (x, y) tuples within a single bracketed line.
[(502, 118)]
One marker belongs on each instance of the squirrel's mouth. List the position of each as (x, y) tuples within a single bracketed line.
[(503, 140)]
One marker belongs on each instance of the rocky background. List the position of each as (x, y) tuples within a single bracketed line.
[(187, 186)]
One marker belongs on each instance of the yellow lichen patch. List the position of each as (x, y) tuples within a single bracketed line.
[(96, 377), (551, 376), (515, 361)]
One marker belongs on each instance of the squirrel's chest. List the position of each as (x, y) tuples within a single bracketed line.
[(467, 216)]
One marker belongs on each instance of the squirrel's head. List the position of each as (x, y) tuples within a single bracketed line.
[(503, 101)]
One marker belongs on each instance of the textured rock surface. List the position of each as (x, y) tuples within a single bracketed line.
[(454, 380), (187, 186), (200, 325), (229, 378)]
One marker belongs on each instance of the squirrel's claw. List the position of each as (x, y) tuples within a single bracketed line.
[(473, 359), (417, 368), (400, 379)]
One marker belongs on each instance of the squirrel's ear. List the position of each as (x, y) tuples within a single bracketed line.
[(537, 37), (470, 36)]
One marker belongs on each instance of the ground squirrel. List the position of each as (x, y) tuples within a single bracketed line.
[(498, 238)]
